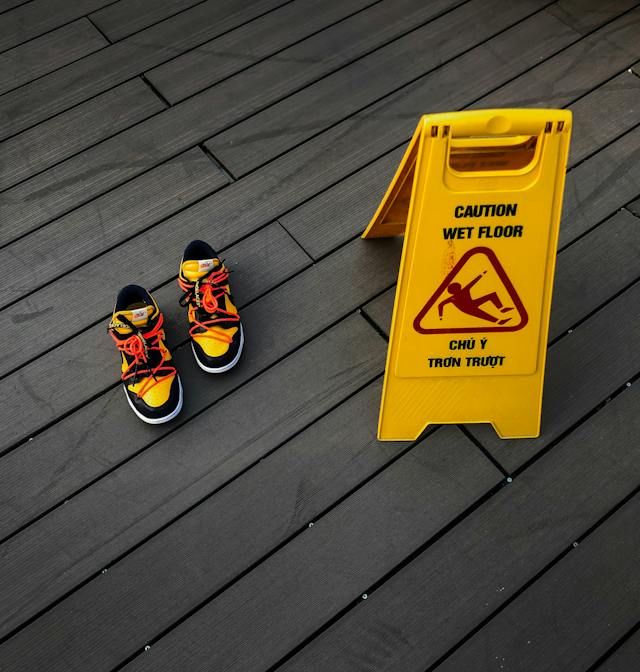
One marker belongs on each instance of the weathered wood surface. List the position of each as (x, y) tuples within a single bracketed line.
[(79, 81), (413, 619), (540, 631), (300, 63), (243, 535), (29, 20), (61, 137), (336, 560), (101, 224), (111, 163), (282, 126), (124, 17), (49, 52), (623, 658)]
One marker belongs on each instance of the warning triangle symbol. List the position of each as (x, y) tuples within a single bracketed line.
[(475, 296)]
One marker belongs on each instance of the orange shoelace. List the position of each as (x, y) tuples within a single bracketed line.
[(205, 293), (138, 346)]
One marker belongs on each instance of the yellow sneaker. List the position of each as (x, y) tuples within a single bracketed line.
[(214, 324), (150, 381)]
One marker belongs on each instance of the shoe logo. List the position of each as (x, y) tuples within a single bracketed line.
[(139, 314)]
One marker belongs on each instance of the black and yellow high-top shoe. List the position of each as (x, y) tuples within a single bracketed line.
[(214, 324), (149, 379)]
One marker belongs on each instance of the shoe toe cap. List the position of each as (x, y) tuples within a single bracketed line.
[(161, 400)]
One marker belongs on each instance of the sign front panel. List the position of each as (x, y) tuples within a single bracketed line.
[(476, 278), (471, 315)]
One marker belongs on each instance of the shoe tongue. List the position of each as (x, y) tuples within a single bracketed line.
[(139, 317), (194, 269)]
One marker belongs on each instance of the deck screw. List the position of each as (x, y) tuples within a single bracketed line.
[(310, 524), (364, 596), (147, 647), (628, 384), (575, 544), (509, 479), (104, 571)]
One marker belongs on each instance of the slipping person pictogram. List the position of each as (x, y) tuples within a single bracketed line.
[(461, 298), (476, 296)]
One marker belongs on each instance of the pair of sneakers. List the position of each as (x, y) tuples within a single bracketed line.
[(149, 378)]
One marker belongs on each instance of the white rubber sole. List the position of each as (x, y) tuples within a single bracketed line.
[(157, 421), (221, 369)]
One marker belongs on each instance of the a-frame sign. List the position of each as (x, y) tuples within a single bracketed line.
[(478, 197)]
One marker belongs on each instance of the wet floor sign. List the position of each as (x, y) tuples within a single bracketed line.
[(478, 196)]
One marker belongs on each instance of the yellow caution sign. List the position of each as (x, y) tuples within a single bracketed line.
[(478, 196)]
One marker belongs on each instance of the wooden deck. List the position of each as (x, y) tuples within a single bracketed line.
[(266, 529)]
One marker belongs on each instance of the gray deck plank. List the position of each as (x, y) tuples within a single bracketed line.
[(275, 130), (294, 591), (129, 154), (625, 658), (123, 60), (40, 16), (301, 63), (270, 133), (576, 71), (340, 213), (604, 114), (6, 5), (69, 133), (600, 185), (47, 53), (416, 616), (380, 310), (57, 386), (613, 248), (105, 222), (597, 266), (264, 195), (120, 19), (280, 496), (634, 207), (573, 614), (256, 420)]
